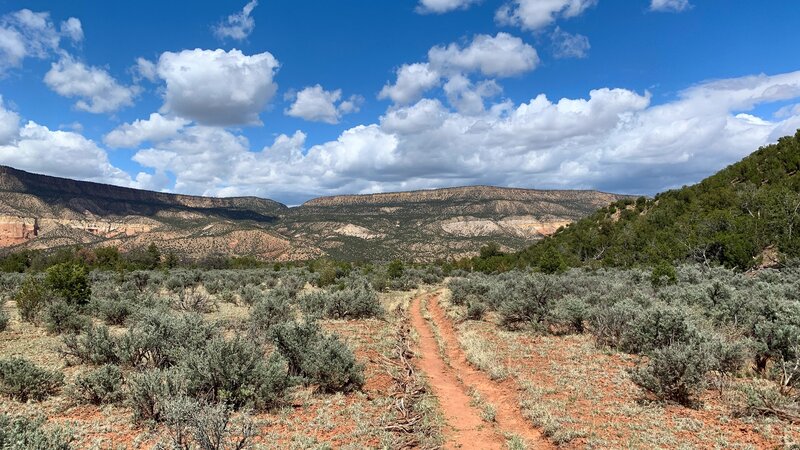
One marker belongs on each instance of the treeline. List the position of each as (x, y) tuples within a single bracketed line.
[(111, 258), (737, 218)]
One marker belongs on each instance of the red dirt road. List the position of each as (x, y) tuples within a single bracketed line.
[(466, 429)]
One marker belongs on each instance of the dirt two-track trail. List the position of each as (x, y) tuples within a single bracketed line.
[(452, 381)]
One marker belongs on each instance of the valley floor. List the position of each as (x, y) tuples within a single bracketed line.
[(469, 384)]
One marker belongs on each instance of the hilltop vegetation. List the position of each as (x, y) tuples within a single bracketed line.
[(745, 215)]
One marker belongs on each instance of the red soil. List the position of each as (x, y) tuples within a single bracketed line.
[(451, 384)]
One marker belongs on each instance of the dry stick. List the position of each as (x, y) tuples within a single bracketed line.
[(407, 390)]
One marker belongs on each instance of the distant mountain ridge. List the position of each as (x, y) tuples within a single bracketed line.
[(39, 211)]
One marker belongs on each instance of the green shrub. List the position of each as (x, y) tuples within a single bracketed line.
[(663, 274), (552, 261), (20, 433), (610, 323), (113, 307), (102, 385), (22, 380), (475, 309), (332, 367), (94, 345), (526, 301), (159, 340), (358, 302), (569, 315), (31, 298), (150, 393), (4, 320), (235, 372), (676, 372), (317, 358), (62, 317), (198, 424), (270, 310), (395, 269), (250, 294), (70, 282), (656, 327), (192, 299)]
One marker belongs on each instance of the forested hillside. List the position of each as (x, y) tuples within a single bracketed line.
[(740, 217)]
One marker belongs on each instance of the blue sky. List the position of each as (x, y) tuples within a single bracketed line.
[(291, 99)]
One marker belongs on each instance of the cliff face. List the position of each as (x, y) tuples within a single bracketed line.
[(38, 211), (16, 230)]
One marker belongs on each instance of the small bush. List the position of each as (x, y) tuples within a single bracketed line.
[(527, 301), (250, 294), (272, 309), (317, 358), (235, 372), (94, 346), (332, 366), (4, 320), (22, 380), (293, 340), (676, 372), (475, 309), (20, 433), (103, 385), (70, 282), (293, 284), (569, 315), (31, 298), (462, 288), (208, 426), (358, 302), (192, 299), (114, 307), (663, 274), (656, 327), (62, 317), (610, 323), (160, 340), (151, 391)]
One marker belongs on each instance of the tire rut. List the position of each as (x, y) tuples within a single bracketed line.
[(451, 384)]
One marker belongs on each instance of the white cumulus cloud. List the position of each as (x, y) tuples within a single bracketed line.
[(502, 55), (72, 29), (145, 69), (9, 124), (29, 34), (537, 14), (413, 80), (613, 139), (567, 45), (215, 87), (239, 25), (97, 91), (155, 128), (443, 6), (318, 105), (41, 150)]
